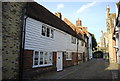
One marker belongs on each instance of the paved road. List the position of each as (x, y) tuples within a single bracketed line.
[(94, 69)]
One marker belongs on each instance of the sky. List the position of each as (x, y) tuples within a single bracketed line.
[(92, 13)]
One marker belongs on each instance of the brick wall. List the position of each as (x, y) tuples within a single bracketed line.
[(12, 16), (27, 59), (67, 63), (29, 72)]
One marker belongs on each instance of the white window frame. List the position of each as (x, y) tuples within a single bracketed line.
[(67, 55), (43, 65), (51, 35), (73, 39), (79, 56)]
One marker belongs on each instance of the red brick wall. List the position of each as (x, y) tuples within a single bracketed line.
[(28, 71), (27, 59), (72, 62), (54, 58)]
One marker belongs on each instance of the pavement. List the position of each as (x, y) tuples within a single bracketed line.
[(93, 69)]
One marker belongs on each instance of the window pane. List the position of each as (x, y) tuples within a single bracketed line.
[(69, 55), (43, 30), (36, 58), (48, 32), (45, 58), (36, 62), (51, 35), (73, 40), (50, 58), (41, 58)]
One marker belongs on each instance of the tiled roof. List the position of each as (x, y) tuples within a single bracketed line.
[(38, 12)]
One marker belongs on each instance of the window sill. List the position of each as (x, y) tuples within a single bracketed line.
[(47, 37), (68, 59), (35, 66)]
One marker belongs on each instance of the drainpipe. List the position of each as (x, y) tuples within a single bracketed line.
[(22, 46), (77, 52)]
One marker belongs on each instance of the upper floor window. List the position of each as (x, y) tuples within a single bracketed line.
[(82, 43), (48, 32), (43, 30), (73, 40)]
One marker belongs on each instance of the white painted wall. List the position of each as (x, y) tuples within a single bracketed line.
[(90, 47), (34, 40), (70, 46), (81, 48), (118, 53)]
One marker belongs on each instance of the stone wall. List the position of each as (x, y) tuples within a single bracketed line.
[(12, 17), (0, 41)]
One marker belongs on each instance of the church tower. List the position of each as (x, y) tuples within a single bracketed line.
[(107, 11)]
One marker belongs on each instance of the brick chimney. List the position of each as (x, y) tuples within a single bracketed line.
[(78, 22), (58, 14)]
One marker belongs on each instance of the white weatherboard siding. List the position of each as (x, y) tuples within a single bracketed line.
[(34, 40), (90, 47), (70, 46), (80, 47)]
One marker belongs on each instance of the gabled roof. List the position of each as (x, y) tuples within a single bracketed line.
[(38, 12)]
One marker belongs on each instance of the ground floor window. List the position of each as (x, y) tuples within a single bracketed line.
[(41, 58), (68, 55), (79, 56)]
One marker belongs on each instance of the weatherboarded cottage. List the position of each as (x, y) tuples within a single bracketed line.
[(49, 43)]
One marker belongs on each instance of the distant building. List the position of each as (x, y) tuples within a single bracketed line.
[(110, 24), (87, 48), (103, 44)]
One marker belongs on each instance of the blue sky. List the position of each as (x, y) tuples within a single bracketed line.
[(92, 14)]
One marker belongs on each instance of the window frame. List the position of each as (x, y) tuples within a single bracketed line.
[(51, 32), (67, 55), (73, 40), (43, 65)]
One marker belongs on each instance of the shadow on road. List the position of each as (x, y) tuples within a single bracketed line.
[(91, 70)]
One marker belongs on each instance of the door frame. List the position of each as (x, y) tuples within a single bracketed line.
[(61, 56)]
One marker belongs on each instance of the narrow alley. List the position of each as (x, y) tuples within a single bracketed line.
[(78, 40), (94, 69)]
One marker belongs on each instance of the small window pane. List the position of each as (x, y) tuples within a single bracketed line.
[(69, 56), (51, 34), (73, 40), (43, 30), (36, 58), (45, 58), (50, 58), (41, 58), (48, 32)]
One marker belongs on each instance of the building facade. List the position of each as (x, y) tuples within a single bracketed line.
[(110, 23), (116, 33), (50, 44), (36, 41), (104, 44)]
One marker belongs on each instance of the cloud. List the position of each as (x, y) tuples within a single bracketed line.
[(84, 7), (59, 6)]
